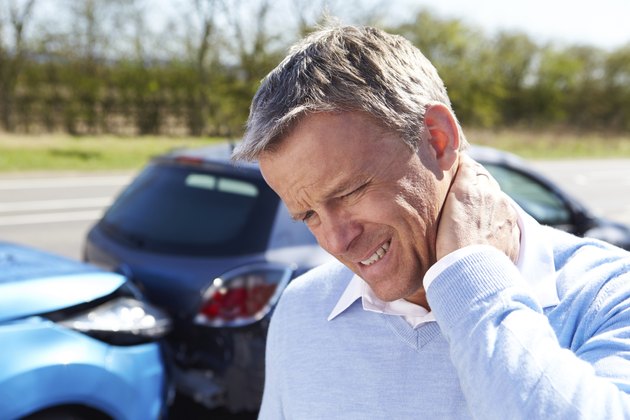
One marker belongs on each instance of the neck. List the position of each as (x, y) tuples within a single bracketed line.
[(419, 298)]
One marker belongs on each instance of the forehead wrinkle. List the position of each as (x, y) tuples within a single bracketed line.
[(304, 197), (320, 191)]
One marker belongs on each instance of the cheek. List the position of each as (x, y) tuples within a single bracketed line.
[(417, 219), (320, 237), (415, 200), (425, 196), (402, 208)]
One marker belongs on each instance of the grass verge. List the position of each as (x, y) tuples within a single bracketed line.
[(62, 152), (20, 153), (554, 144)]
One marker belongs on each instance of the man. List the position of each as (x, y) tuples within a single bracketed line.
[(448, 301)]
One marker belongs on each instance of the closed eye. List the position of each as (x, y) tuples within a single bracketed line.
[(356, 190), (307, 215)]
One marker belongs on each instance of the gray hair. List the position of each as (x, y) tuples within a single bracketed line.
[(345, 69)]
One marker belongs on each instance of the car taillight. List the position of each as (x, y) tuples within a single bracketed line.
[(244, 295), (189, 160)]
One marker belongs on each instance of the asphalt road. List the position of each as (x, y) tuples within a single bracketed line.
[(602, 185), (54, 211)]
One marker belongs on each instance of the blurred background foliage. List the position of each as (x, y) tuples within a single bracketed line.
[(124, 67)]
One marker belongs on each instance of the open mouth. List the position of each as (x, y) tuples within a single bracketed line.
[(378, 254)]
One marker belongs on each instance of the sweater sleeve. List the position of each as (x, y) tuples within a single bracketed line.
[(507, 355), (271, 407)]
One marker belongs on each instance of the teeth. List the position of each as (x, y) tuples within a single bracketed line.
[(377, 255)]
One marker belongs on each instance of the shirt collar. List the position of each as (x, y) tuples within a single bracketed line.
[(358, 288), (535, 262)]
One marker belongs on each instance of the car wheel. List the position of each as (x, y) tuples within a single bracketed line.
[(68, 413)]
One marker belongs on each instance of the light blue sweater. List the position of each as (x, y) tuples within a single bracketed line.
[(492, 354)]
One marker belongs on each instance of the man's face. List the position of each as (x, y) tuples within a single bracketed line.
[(369, 199)]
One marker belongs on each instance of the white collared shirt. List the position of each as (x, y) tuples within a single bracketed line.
[(535, 263)]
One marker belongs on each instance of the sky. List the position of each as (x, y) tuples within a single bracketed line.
[(600, 23)]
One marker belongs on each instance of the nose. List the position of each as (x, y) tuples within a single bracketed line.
[(337, 232)]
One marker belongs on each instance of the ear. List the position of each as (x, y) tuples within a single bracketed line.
[(443, 135)]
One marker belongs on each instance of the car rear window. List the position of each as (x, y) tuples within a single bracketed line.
[(190, 210)]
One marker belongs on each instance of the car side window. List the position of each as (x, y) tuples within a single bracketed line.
[(533, 197)]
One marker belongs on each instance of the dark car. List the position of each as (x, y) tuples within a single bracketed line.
[(545, 200), (212, 244)]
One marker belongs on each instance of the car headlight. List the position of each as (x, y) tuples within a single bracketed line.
[(123, 320), (244, 295)]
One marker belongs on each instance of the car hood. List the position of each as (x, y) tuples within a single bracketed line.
[(34, 282)]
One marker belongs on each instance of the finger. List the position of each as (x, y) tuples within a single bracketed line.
[(476, 172), (471, 174)]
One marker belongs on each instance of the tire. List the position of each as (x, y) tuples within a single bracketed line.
[(74, 412)]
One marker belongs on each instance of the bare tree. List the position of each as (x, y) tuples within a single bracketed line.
[(16, 15), (310, 13), (102, 29), (252, 38), (98, 32), (201, 42)]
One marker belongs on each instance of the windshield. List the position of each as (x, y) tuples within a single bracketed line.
[(189, 210)]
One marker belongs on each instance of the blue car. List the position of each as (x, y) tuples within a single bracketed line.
[(76, 342)]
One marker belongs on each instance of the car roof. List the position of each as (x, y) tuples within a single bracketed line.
[(492, 155), (214, 154)]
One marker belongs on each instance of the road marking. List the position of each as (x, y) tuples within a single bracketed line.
[(45, 183), (71, 203), (33, 219)]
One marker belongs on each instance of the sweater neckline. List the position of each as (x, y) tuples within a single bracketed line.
[(417, 337)]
